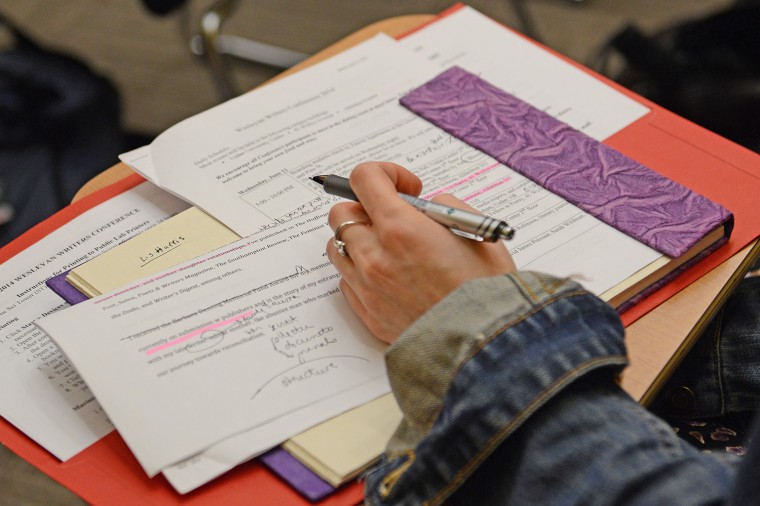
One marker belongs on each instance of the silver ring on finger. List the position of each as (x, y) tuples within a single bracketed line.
[(339, 244)]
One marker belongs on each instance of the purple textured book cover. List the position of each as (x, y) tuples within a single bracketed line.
[(610, 186)]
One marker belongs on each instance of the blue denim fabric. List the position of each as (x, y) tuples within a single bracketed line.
[(721, 375), (593, 445), (532, 413)]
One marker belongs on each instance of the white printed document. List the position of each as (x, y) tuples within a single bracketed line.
[(230, 342), (515, 64), (43, 395), (252, 157)]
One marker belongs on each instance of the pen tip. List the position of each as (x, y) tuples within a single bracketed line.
[(318, 179)]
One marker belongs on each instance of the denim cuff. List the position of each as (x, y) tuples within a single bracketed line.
[(474, 368)]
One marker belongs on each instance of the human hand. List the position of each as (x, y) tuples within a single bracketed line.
[(403, 263)]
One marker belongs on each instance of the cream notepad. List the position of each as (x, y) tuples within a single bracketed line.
[(341, 448), (182, 237)]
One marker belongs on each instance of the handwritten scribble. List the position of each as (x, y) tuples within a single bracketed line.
[(205, 341), (306, 371)]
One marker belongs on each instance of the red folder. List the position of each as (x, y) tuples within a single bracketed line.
[(704, 162)]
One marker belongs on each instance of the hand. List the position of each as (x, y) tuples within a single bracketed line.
[(403, 263)]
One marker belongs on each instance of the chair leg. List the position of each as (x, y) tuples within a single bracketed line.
[(210, 30), (216, 48)]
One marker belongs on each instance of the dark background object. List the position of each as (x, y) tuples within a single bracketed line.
[(707, 70), (161, 7), (59, 126)]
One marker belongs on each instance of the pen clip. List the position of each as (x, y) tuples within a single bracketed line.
[(466, 235)]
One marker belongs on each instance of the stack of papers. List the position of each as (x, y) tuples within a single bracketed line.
[(245, 342), (234, 352)]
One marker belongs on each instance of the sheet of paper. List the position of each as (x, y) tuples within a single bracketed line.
[(221, 457), (247, 153), (187, 235), (225, 343), (348, 444), (139, 160), (519, 66), (43, 395)]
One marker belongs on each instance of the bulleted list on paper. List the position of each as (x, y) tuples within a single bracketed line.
[(43, 394)]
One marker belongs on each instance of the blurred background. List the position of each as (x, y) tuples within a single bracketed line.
[(83, 80)]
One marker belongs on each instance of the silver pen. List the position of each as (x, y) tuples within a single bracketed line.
[(464, 223)]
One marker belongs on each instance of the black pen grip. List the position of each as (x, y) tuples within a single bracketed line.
[(339, 186)]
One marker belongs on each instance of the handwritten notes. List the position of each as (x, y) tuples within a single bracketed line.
[(228, 336)]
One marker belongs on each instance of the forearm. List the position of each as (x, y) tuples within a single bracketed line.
[(592, 444), (476, 377)]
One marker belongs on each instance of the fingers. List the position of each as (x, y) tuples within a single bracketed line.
[(403, 180), (349, 221), (376, 185), (496, 252), (450, 200), (345, 211), (401, 263)]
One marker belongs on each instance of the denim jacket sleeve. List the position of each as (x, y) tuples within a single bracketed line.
[(508, 393)]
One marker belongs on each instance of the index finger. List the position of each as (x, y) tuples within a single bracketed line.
[(376, 185)]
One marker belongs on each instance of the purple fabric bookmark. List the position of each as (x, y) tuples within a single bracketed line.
[(63, 289), (603, 182), (296, 474)]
